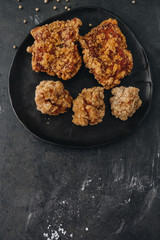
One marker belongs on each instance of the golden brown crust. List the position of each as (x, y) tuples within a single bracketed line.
[(105, 53), (125, 102), (51, 98), (89, 107), (54, 50)]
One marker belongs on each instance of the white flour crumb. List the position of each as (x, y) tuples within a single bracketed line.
[(127, 201), (63, 202), (93, 196), (55, 235), (85, 184), (48, 226), (60, 229), (47, 122), (86, 228), (45, 235), (71, 235)]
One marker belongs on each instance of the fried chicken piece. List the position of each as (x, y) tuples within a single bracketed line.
[(105, 53), (125, 102), (51, 98), (54, 50), (89, 107)]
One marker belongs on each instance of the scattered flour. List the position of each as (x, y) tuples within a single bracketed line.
[(85, 184), (55, 234)]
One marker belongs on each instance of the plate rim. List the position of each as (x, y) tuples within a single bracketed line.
[(88, 146)]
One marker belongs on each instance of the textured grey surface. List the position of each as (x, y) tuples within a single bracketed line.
[(113, 191)]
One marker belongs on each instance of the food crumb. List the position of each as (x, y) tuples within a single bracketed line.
[(20, 7), (54, 7), (90, 24), (87, 229), (133, 2)]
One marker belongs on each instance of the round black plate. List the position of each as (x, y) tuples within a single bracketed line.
[(60, 130)]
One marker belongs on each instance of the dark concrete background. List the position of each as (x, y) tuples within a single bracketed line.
[(104, 193)]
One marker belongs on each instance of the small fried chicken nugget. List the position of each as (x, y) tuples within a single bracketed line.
[(54, 50), (125, 102), (105, 53), (51, 98), (89, 107)]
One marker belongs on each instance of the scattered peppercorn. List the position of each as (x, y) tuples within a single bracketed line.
[(133, 2), (58, 0), (37, 9), (54, 7), (68, 9), (24, 21), (14, 46), (67, 0), (90, 24), (18, 0), (46, 1), (20, 7)]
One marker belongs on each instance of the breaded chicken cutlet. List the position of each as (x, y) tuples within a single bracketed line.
[(105, 53), (54, 50)]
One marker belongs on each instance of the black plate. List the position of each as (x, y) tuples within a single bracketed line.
[(60, 130)]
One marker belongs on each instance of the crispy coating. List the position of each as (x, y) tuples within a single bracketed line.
[(51, 98), (125, 102), (89, 107), (54, 50), (105, 53)]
